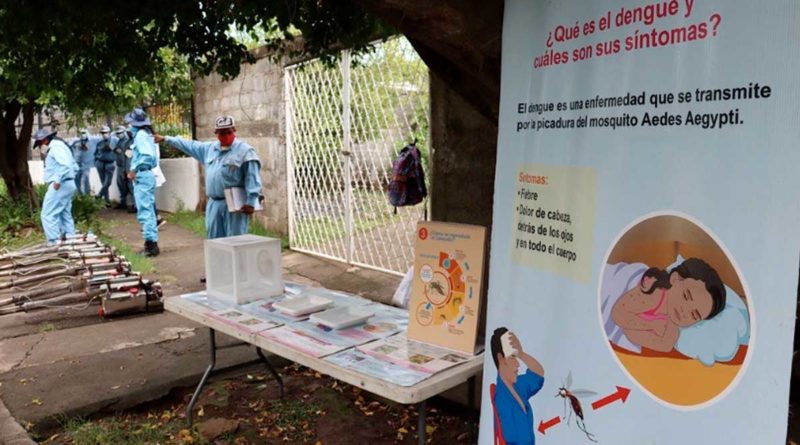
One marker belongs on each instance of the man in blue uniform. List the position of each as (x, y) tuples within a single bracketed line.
[(83, 150), (123, 162), (144, 160), (104, 160), (229, 162), (59, 174), (513, 390)]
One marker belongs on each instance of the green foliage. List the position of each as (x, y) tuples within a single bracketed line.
[(289, 413), (100, 58), (18, 224), (93, 60), (84, 211), (127, 430), (189, 220), (256, 228), (46, 327)]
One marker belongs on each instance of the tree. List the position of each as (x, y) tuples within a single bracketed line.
[(91, 58), (94, 57)]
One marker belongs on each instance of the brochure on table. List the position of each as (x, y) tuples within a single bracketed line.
[(378, 368), (243, 321), (426, 358), (301, 341), (444, 308)]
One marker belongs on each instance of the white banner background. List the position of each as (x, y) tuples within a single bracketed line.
[(738, 184)]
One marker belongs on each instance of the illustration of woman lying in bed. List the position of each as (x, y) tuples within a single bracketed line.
[(652, 313)]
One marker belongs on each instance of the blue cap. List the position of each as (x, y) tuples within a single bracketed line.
[(42, 134), (137, 118)]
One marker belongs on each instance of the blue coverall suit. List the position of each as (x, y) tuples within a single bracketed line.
[(238, 166), (104, 160), (60, 167), (144, 189), (84, 156), (123, 162)]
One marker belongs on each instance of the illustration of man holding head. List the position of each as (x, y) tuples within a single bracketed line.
[(514, 415)]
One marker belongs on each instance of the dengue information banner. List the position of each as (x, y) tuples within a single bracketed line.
[(645, 245)]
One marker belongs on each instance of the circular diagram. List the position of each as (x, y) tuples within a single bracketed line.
[(444, 293)]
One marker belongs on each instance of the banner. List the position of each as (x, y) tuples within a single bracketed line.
[(644, 263)]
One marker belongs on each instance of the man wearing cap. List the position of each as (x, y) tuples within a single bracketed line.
[(144, 160), (229, 162), (83, 151), (123, 154), (104, 159), (60, 169)]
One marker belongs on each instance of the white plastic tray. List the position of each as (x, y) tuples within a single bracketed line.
[(302, 305), (342, 317)]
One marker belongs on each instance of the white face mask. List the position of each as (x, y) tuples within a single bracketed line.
[(106, 136)]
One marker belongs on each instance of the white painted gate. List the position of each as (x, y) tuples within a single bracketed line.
[(345, 125)]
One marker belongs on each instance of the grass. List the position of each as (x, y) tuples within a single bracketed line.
[(138, 262), (22, 238), (189, 220), (126, 430), (324, 229), (46, 327), (196, 223)]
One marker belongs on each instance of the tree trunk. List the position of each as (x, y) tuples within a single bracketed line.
[(14, 152), (464, 145)]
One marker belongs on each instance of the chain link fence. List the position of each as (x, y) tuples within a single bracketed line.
[(345, 125)]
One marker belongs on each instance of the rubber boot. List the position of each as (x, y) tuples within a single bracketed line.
[(151, 249)]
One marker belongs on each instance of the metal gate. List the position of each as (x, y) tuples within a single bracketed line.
[(345, 125)]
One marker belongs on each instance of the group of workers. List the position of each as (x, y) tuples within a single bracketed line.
[(229, 162), (106, 153)]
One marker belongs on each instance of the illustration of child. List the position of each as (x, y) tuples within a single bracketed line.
[(652, 314)]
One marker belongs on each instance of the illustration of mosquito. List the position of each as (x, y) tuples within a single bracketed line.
[(435, 285), (572, 396)]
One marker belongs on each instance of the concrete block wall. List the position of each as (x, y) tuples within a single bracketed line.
[(256, 100)]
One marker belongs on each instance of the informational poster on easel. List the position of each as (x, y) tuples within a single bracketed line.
[(645, 243), (444, 308)]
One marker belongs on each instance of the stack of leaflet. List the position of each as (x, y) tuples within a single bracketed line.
[(340, 317)]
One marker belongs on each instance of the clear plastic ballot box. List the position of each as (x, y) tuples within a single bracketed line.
[(240, 269)]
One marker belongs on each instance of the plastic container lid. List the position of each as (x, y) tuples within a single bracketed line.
[(302, 305), (342, 317)]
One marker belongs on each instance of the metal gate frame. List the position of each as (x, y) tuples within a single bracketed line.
[(346, 158)]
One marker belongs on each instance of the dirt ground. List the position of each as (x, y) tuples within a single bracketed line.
[(246, 409)]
